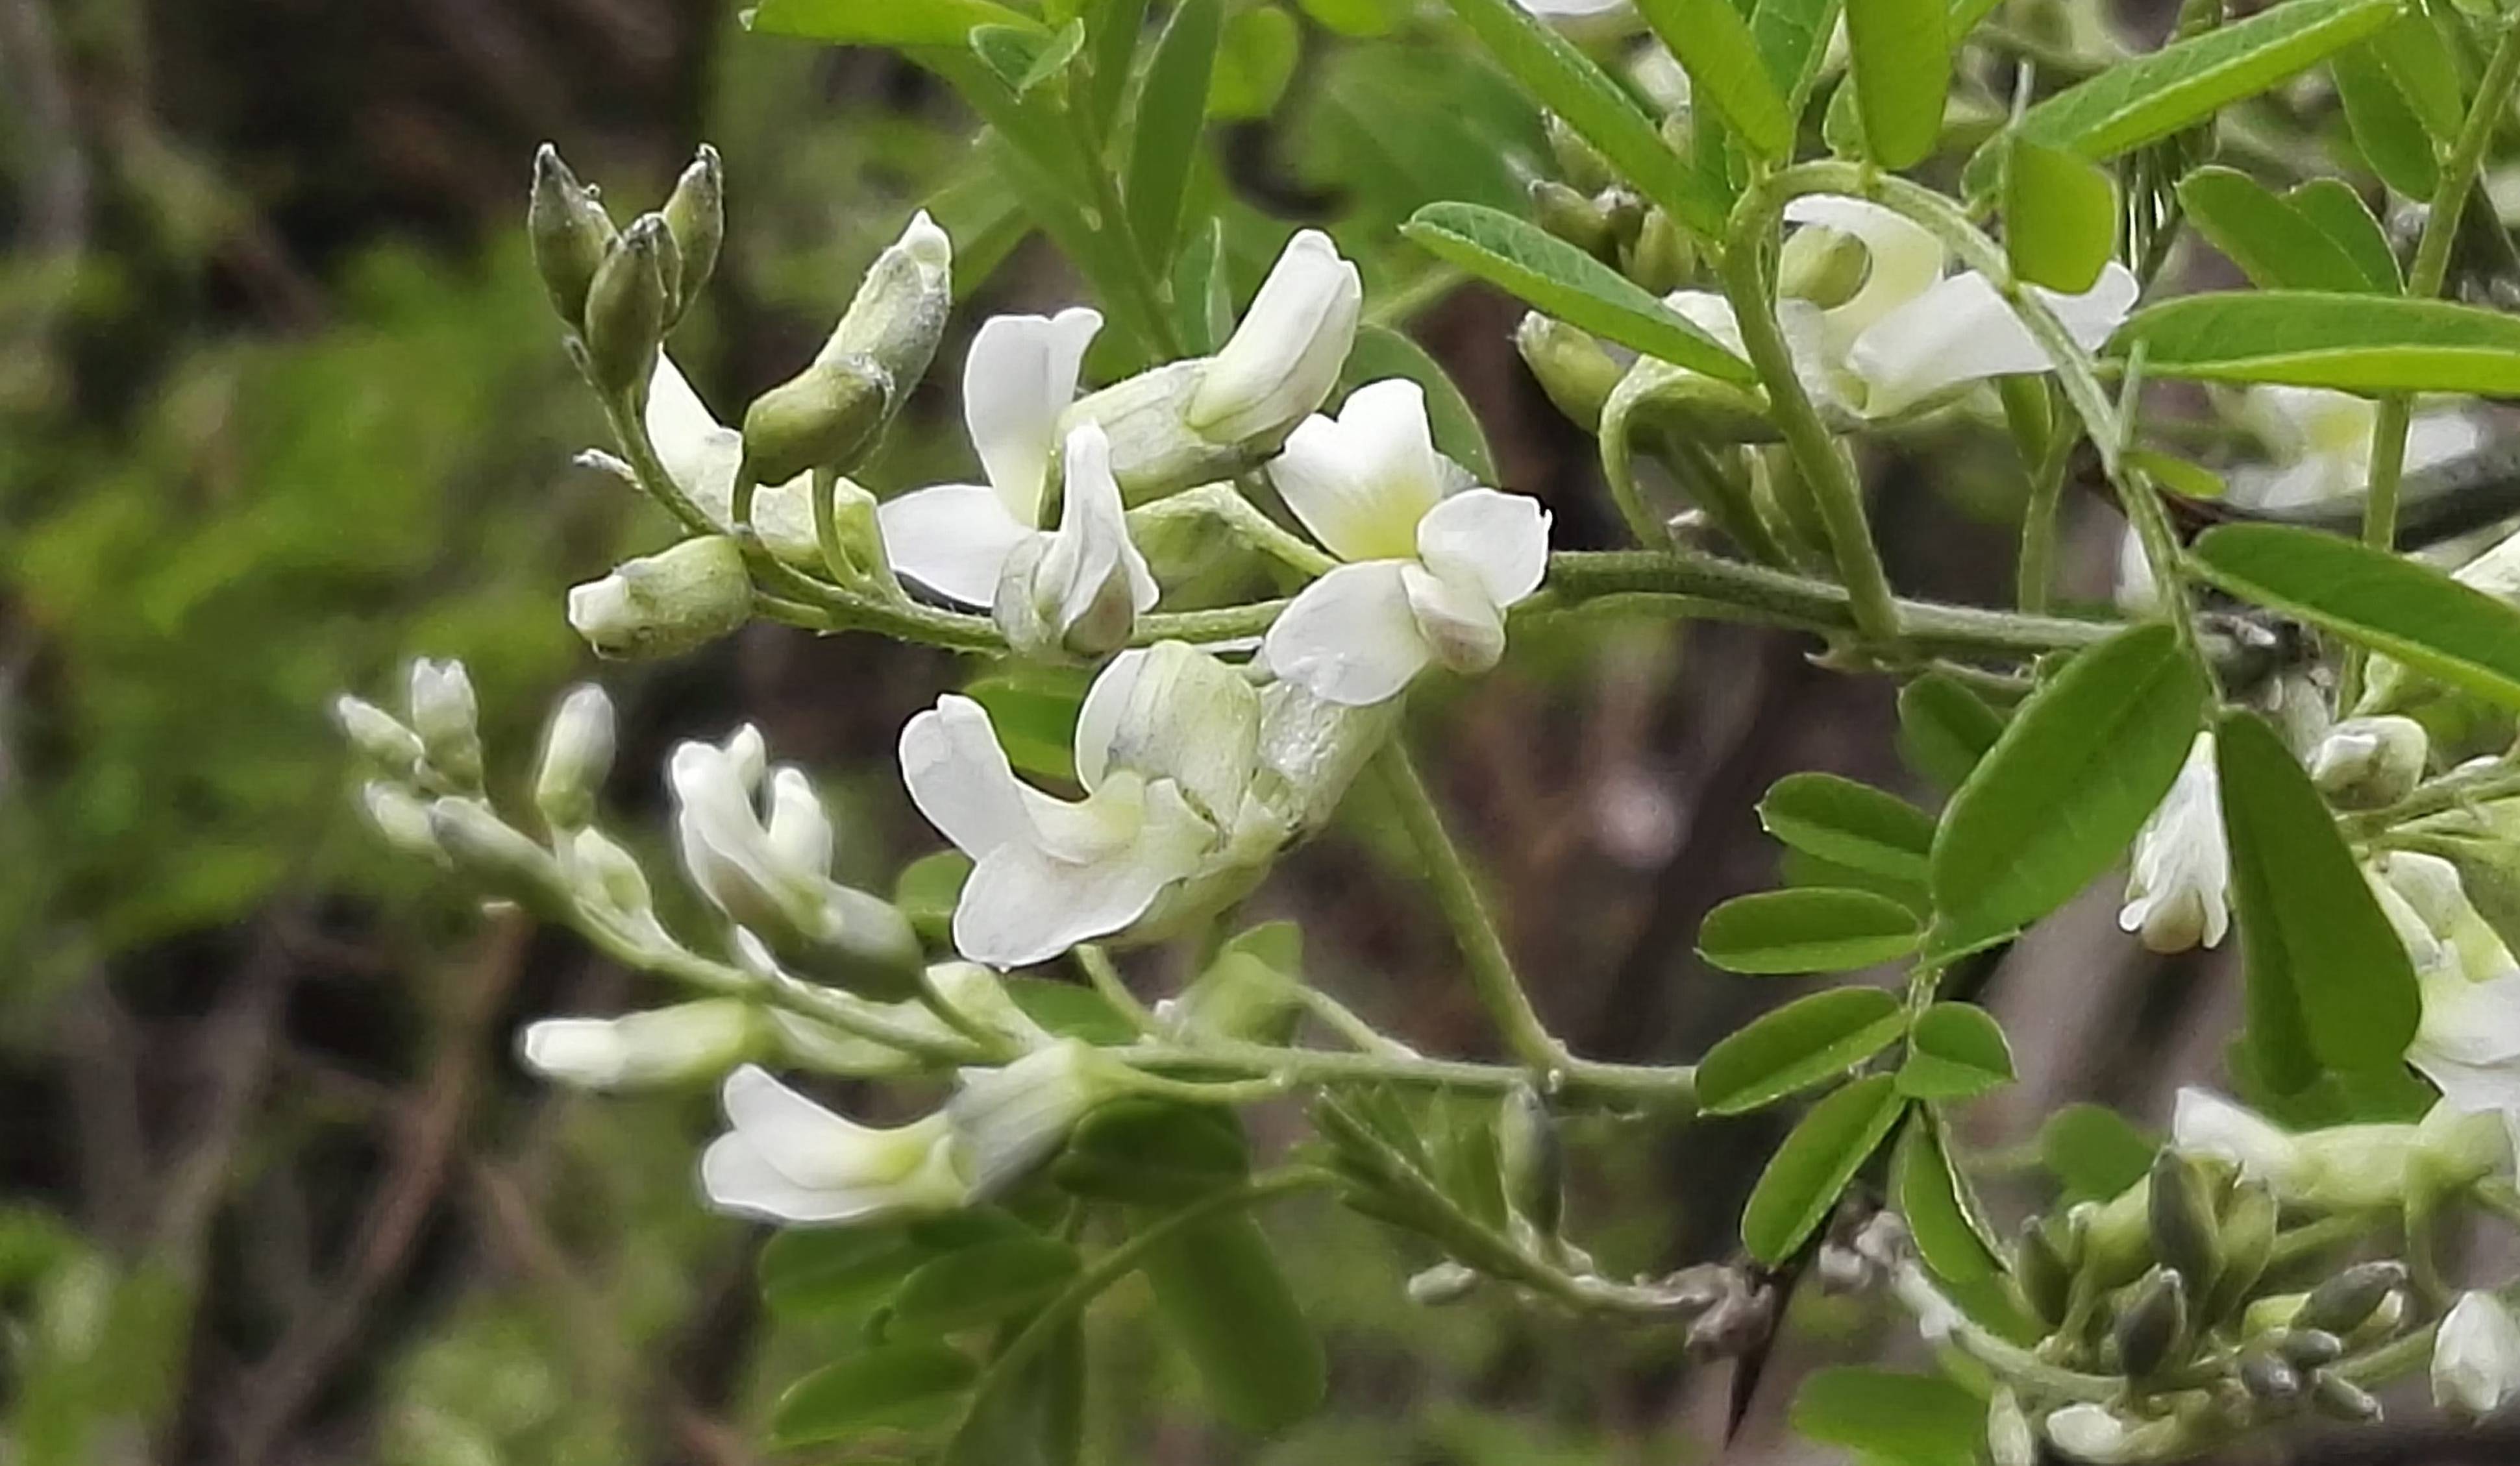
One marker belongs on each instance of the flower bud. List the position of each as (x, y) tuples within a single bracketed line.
[(2095, 1433), (2008, 1440), (2248, 1240), (490, 851), (1286, 354), (1662, 258), (898, 314), (695, 213), (1572, 366), (448, 720), (2476, 1357), (2180, 1206), (665, 603), (672, 1046), (2365, 763), (1012, 1119), (600, 871), (626, 308), (2270, 1380), (1583, 167), (569, 232), (1444, 1283), (825, 417), (2307, 1348), (2339, 1398), (2152, 1325), (1570, 215), (379, 736), (401, 818), (1531, 1160), (2341, 1304), (577, 754), (1250, 991), (1822, 265), (2045, 1280)]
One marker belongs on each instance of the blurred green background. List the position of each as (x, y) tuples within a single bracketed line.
[(282, 405)]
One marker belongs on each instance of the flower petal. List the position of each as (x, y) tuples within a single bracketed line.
[(2093, 316), (953, 539), (1021, 374), (1350, 637), (1093, 538), (1023, 906), (1902, 261), (1362, 481), (810, 1146), (1172, 711), (1285, 356), (961, 780), (1488, 538), (2205, 1122), (700, 454), (1962, 331)]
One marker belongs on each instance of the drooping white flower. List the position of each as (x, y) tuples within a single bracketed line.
[(2318, 444), (1286, 354), (1021, 374), (2344, 1167), (1909, 333), (1166, 744), (2476, 1356), (785, 1158), (2467, 1042), (2179, 893), (667, 1045), (1434, 561), (1009, 1118)]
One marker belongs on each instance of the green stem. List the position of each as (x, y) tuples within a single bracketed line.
[(1104, 977), (2453, 791), (1825, 465), (1456, 894), (2040, 515)]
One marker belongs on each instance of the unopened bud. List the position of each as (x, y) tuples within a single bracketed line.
[(626, 308), (578, 753), (448, 720), (1530, 1160), (1662, 258), (2248, 1242), (569, 232), (401, 818), (490, 851), (2180, 1206), (2270, 1380), (1843, 1269), (1572, 366), (2009, 1439), (1444, 1283), (2045, 1282), (2308, 1348), (1570, 215), (695, 213), (680, 1044), (1822, 265), (2339, 1398), (2152, 1325), (379, 736), (665, 603), (1250, 991), (2342, 1303), (598, 868), (825, 417), (1582, 164), (898, 314), (2383, 1324), (2365, 763)]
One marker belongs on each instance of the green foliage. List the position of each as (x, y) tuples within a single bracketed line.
[(1808, 929), (1797, 1046), (1809, 1172)]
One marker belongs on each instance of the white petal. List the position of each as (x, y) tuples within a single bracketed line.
[(1902, 261), (1362, 481), (1092, 539), (1350, 637), (698, 453), (1463, 629), (2206, 1122), (809, 1144), (1023, 906), (1172, 711), (1960, 331), (1496, 541), (2476, 1356), (960, 778), (2439, 435), (2177, 893), (953, 539), (1021, 374), (2472, 1022), (2093, 316), (799, 832), (1285, 356)]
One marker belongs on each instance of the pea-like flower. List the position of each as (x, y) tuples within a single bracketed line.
[(2179, 893), (1432, 565), (689, 1041), (2476, 1356), (1021, 374), (785, 1158), (1167, 744), (1082, 587), (1285, 353), (2467, 1042)]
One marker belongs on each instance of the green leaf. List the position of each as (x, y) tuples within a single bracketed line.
[(2093, 1151), (977, 1285), (814, 1270), (1226, 1304), (1022, 56), (1810, 929), (1564, 282), (1892, 1419), (1070, 1012), (2272, 242), (1793, 39), (1566, 82), (2419, 59), (1253, 64), (2386, 130), (928, 890), (2339, 212), (1903, 67), (1716, 48), (2060, 216), (1171, 112), (2329, 984), (1801, 868), (1809, 1170), (1795, 1046), (2312, 339), (1930, 1195), (1034, 712), (1153, 1152), (2148, 97), (1112, 30), (882, 22), (906, 1386), (2412, 612), (1945, 729), (1850, 823), (2061, 794), (1956, 1051), (1202, 293), (1381, 352)]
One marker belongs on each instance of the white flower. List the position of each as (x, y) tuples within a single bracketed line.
[(1085, 585), (1432, 563), (1021, 374), (2467, 1042), (762, 877), (1008, 1120), (662, 1046), (2318, 444), (785, 1158), (1909, 333), (578, 753), (2476, 1356), (2090, 1433), (1285, 356), (2345, 1168), (2178, 894), (1166, 743)]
